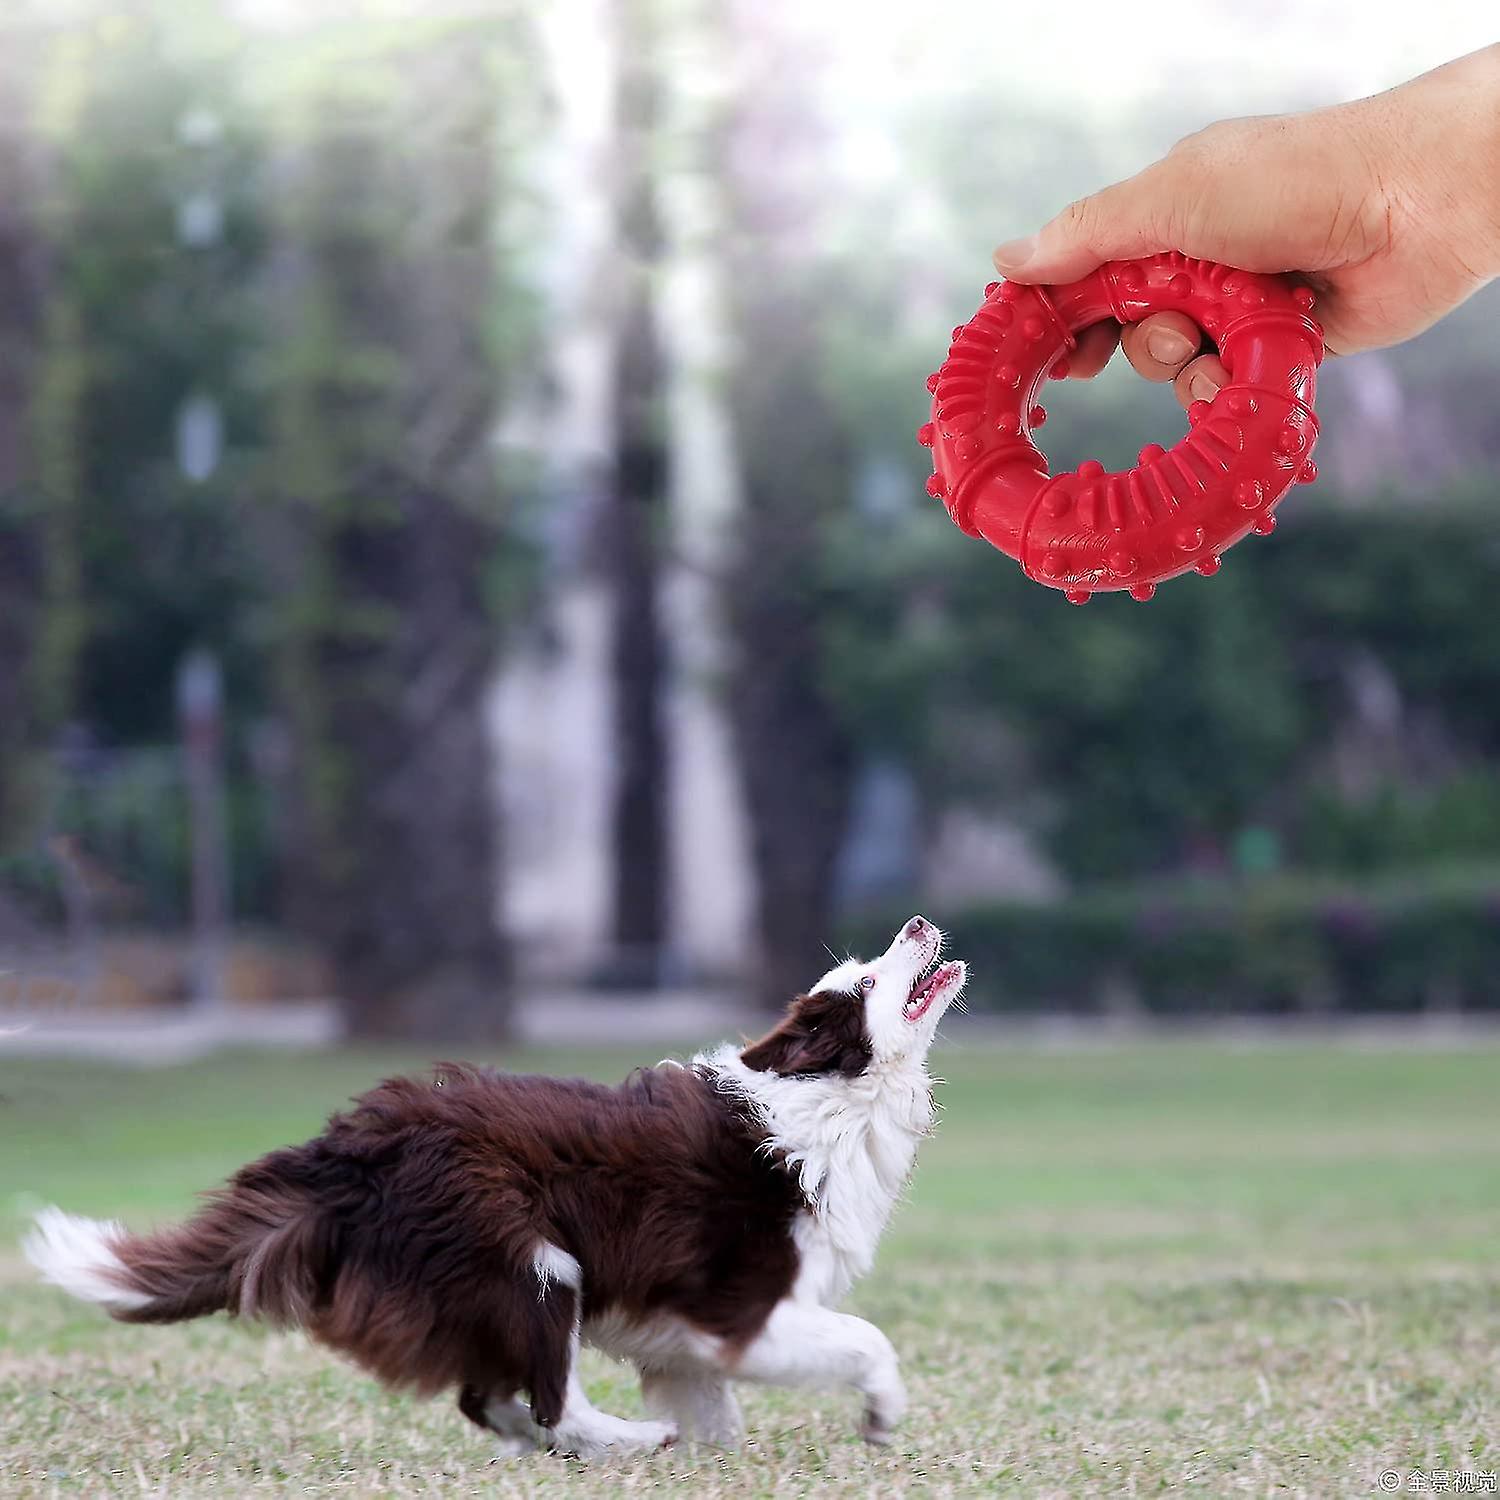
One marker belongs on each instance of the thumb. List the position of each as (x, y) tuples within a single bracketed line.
[(1126, 219)]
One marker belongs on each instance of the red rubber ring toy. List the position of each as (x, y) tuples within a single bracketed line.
[(1178, 508)]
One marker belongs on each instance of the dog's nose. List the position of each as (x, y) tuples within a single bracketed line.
[(918, 928)]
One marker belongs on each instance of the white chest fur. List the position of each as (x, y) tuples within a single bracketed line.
[(852, 1142)]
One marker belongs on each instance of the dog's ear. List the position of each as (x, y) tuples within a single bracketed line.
[(819, 1034), (789, 1048)]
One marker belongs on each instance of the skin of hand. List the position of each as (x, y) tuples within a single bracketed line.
[(1388, 207)]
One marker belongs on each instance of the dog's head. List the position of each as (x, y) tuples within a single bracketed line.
[(860, 1013)]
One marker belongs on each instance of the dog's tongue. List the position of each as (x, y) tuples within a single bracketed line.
[(921, 997)]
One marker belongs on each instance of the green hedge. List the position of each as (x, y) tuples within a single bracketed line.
[(130, 815), (1274, 946)]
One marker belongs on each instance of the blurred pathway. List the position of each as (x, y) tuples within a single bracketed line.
[(545, 1018), (679, 1021)]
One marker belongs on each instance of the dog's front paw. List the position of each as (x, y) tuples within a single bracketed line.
[(602, 1436), (883, 1412), (664, 1436), (514, 1447)]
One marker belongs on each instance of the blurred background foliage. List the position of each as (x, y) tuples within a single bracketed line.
[(280, 373)]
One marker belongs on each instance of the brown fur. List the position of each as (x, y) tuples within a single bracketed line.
[(404, 1235), (822, 1033)]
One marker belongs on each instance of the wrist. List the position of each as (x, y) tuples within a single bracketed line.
[(1446, 128), (1487, 167)]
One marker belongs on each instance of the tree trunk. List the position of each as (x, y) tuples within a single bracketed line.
[(796, 761), (636, 513), (22, 568), (384, 443), (797, 758)]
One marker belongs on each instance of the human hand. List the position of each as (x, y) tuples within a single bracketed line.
[(1389, 208)]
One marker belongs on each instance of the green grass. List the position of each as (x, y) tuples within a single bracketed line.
[(1148, 1268)]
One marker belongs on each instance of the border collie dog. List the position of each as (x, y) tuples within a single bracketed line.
[(471, 1230)]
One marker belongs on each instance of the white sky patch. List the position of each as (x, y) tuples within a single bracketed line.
[(885, 59), (1260, 55)]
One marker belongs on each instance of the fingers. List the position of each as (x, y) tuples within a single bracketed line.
[(1200, 380), (1221, 193), (1160, 346), (1095, 347), (1130, 218), (1165, 347)]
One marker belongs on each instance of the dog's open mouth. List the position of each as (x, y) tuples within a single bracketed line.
[(926, 988)]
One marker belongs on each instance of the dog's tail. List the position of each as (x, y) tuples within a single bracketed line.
[(254, 1254)]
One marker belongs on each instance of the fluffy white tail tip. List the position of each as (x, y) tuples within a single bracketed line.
[(79, 1256)]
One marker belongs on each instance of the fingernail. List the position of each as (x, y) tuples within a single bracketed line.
[(1201, 388), (1014, 254), (1167, 347)]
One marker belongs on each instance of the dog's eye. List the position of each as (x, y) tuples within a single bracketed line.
[(867, 983)]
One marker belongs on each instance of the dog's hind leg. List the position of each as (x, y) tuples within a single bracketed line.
[(561, 1413), (589, 1433), (471, 1403), (698, 1400), (558, 1401), (509, 1419)]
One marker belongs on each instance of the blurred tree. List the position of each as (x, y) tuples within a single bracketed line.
[(146, 414), (143, 413), (384, 457), (1292, 692), (636, 502), (23, 271), (797, 752)]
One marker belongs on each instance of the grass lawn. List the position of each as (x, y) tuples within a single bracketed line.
[(1125, 1269)]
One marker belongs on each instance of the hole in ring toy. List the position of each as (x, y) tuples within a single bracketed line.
[(1179, 508)]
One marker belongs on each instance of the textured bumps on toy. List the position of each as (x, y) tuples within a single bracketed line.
[(1178, 509)]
